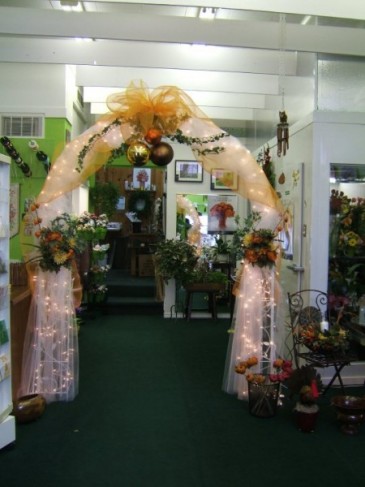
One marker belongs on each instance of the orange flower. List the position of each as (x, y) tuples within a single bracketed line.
[(251, 361), (271, 255)]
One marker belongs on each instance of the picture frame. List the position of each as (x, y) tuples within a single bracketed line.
[(221, 211), (223, 179), (188, 172), (142, 178)]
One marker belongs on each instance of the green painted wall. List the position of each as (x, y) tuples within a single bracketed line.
[(52, 144)]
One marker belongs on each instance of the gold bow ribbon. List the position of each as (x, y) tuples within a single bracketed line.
[(164, 108)]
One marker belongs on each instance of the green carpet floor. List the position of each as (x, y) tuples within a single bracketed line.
[(151, 413)]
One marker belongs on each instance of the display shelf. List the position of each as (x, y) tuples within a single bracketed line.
[(7, 422)]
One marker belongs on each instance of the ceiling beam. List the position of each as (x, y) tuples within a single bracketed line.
[(351, 9), (137, 27)]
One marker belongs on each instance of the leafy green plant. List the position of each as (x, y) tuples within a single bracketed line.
[(202, 274), (104, 198), (221, 247), (175, 259)]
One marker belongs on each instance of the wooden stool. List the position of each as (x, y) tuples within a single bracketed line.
[(211, 289)]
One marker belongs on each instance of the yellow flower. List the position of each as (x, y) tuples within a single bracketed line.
[(60, 257), (247, 240)]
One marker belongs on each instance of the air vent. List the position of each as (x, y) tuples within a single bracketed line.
[(22, 125)]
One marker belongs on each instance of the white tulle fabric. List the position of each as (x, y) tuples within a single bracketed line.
[(253, 327), (50, 357)]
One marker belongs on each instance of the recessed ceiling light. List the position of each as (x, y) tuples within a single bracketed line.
[(206, 13), (71, 5)]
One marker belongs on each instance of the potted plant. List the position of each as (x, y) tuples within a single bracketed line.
[(221, 250), (305, 383), (203, 277), (177, 259)]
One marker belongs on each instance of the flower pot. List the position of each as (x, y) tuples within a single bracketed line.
[(28, 408), (263, 399), (306, 422), (306, 416)]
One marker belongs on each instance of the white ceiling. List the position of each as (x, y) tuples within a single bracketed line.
[(253, 59)]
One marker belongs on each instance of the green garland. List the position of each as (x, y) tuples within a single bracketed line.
[(183, 139), (134, 197), (84, 151), (177, 137)]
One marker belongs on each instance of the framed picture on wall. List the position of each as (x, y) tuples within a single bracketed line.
[(188, 172), (221, 212), (223, 179)]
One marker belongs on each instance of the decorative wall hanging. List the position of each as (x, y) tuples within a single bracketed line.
[(14, 216), (44, 159), (15, 156)]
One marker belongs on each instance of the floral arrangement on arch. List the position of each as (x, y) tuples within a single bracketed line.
[(283, 370), (58, 243), (260, 248)]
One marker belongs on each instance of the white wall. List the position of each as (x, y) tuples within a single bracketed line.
[(34, 89)]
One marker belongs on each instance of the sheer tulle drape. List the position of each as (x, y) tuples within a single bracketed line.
[(252, 326), (50, 357)]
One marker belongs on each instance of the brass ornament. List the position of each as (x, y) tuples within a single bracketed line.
[(138, 154), (162, 154)]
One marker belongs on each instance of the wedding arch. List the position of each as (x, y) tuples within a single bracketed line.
[(51, 348)]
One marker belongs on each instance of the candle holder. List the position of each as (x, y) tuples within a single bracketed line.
[(350, 413)]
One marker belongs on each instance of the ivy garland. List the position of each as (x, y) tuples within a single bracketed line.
[(140, 203), (177, 137), (183, 139), (84, 151)]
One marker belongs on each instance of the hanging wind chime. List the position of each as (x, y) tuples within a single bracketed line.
[(282, 129)]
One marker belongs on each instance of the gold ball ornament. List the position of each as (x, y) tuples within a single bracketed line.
[(162, 154), (153, 136), (138, 154)]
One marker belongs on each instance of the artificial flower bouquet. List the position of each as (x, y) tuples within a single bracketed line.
[(91, 226), (260, 248), (264, 390), (333, 340), (283, 370), (58, 243)]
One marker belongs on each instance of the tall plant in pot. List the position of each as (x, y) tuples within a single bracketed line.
[(305, 385)]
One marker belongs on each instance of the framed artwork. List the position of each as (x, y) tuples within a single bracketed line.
[(221, 211), (188, 172), (14, 216), (223, 179), (142, 178)]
